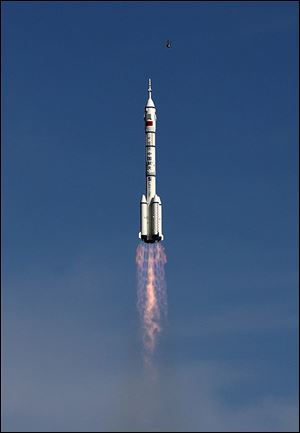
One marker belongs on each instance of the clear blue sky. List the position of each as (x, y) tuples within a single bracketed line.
[(74, 82)]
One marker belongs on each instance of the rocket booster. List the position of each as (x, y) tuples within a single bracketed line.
[(150, 205)]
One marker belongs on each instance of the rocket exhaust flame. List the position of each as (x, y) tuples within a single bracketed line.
[(152, 293)]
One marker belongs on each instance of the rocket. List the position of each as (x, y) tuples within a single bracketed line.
[(150, 205)]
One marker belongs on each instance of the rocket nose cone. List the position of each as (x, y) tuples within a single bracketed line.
[(143, 199), (150, 102), (155, 199)]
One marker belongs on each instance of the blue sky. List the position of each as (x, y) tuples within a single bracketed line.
[(74, 81)]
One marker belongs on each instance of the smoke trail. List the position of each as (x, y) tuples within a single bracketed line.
[(152, 293)]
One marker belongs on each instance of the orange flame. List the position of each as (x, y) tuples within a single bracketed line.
[(152, 298)]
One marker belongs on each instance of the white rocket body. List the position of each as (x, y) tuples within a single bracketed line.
[(150, 205)]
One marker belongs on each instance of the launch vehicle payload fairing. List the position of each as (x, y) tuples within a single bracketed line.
[(150, 205)]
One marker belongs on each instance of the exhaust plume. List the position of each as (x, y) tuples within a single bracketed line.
[(151, 294)]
